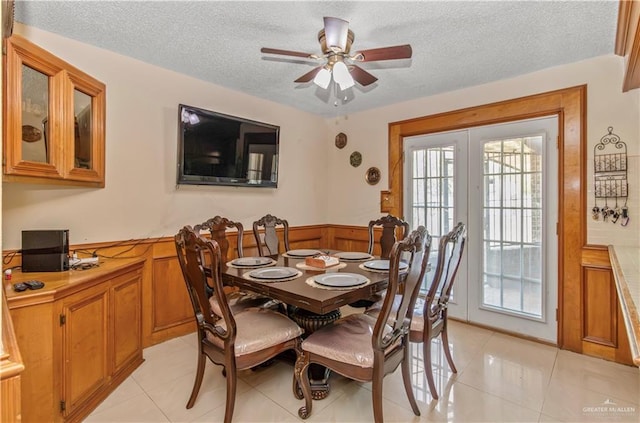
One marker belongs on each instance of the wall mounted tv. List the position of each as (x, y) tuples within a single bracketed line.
[(218, 149)]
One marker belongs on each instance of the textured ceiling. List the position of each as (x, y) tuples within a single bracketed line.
[(455, 44)]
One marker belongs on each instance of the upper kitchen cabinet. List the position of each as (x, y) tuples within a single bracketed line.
[(54, 119)]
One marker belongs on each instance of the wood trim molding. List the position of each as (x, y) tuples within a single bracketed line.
[(628, 42), (624, 16), (11, 368), (570, 106)]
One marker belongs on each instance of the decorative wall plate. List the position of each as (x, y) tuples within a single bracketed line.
[(341, 140), (31, 133), (372, 176), (355, 159)]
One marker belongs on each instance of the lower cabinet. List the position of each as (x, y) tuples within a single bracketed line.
[(80, 345), (85, 346)]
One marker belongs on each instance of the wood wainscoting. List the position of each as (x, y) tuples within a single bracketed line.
[(603, 332), (167, 310)]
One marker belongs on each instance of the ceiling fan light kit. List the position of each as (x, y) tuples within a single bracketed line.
[(323, 78), (342, 76), (335, 42)]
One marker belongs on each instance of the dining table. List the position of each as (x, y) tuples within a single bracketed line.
[(299, 293), (310, 304)]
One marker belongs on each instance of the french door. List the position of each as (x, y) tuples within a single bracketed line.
[(502, 181)]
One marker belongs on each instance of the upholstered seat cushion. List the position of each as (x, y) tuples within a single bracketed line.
[(258, 329), (347, 340)]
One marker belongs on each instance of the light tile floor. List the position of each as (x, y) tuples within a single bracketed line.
[(500, 378)]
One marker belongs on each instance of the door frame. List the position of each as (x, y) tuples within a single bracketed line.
[(569, 105)]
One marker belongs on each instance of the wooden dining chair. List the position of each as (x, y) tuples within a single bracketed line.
[(430, 315), (235, 341), (217, 229), (268, 224), (388, 237), (367, 348)]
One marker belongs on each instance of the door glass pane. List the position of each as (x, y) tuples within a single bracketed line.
[(432, 185), (35, 111), (82, 130), (512, 220)]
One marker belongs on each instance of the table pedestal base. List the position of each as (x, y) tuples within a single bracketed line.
[(310, 322)]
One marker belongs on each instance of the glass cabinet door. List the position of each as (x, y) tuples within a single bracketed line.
[(30, 140), (85, 144), (35, 116)]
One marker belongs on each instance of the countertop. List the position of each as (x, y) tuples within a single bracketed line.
[(59, 284), (625, 262)]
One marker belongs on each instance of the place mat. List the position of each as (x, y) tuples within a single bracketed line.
[(290, 278), (305, 266), (230, 264), (313, 283)]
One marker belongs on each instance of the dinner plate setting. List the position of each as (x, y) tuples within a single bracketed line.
[(338, 281), (251, 262), (302, 253), (273, 274), (353, 256), (381, 266)]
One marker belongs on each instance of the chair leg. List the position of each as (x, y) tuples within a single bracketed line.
[(202, 360), (231, 391), (406, 379), (428, 368), (445, 346), (302, 374), (376, 396), (297, 384)]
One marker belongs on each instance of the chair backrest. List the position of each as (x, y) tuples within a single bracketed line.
[(202, 275), (450, 252), (217, 227), (271, 241), (402, 287), (388, 237)]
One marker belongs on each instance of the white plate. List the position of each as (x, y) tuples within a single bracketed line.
[(251, 261), (340, 280), (273, 273), (353, 255), (303, 253), (383, 265)]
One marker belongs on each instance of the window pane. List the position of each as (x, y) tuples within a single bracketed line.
[(512, 222)]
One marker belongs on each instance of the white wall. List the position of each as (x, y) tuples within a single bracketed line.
[(141, 199), (353, 201), (317, 183)]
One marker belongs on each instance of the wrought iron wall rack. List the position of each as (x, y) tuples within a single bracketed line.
[(610, 167)]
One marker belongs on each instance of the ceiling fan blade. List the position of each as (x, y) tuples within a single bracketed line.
[(335, 32), (361, 76), (288, 53), (384, 53), (309, 75)]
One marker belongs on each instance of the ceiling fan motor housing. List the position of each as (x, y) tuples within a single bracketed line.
[(327, 49)]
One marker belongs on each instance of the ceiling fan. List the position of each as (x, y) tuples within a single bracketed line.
[(335, 41)]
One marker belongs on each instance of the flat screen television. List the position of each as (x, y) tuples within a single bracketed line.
[(218, 149)]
